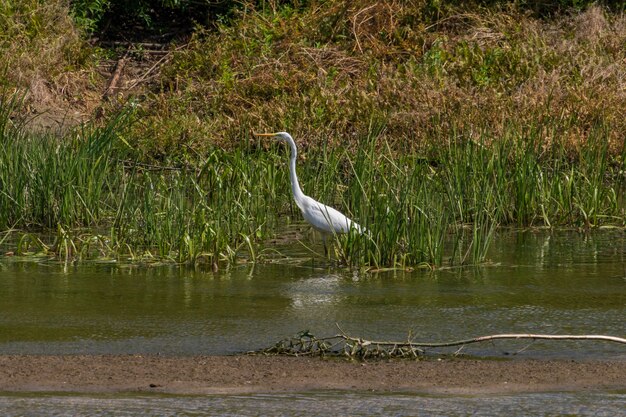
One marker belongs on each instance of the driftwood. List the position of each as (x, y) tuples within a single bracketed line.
[(305, 344), (150, 47), (115, 78)]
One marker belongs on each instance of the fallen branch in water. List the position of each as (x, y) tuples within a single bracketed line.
[(305, 344)]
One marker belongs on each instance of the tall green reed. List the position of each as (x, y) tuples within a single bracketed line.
[(437, 207), (96, 197), (443, 206), (46, 180)]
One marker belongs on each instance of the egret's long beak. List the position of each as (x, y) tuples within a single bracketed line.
[(264, 134)]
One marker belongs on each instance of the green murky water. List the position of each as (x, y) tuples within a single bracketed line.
[(537, 282)]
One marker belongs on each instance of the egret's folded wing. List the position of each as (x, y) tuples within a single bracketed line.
[(326, 218)]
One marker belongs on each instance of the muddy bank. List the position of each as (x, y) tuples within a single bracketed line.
[(256, 374)]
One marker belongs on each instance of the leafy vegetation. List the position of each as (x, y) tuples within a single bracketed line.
[(112, 18), (430, 123), (436, 208), (324, 73)]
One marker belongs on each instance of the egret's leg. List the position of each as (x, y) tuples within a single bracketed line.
[(325, 247)]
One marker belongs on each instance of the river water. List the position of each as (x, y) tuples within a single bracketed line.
[(317, 404), (560, 282)]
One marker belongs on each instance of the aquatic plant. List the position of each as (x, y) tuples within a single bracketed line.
[(94, 196)]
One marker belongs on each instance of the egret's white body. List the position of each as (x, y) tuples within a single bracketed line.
[(323, 218)]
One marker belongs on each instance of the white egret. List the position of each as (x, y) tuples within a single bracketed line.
[(323, 218)]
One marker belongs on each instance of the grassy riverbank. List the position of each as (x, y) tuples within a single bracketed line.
[(430, 125), (325, 71), (439, 206)]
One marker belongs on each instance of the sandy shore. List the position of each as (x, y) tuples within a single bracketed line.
[(257, 374)]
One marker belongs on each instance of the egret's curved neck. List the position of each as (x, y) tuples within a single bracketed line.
[(298, 195)]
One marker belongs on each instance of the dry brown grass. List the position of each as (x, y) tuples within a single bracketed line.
[(45, 57), (331, 71), (327, 73)]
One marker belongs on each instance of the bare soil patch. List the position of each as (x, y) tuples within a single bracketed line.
[(259, 374)]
